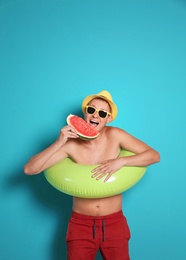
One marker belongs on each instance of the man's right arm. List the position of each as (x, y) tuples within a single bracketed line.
[(51, 155)]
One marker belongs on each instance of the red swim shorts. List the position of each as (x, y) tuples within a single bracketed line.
[(87, 234)]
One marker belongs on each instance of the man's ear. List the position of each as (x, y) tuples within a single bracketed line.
[(109, 118)]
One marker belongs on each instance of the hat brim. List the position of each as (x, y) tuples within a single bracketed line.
[(114, 110)]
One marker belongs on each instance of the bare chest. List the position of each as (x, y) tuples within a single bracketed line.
[(95, 154)]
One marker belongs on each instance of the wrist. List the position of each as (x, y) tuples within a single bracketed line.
[(58, 143)]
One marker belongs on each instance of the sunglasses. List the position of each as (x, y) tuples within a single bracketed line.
[(92, 110)]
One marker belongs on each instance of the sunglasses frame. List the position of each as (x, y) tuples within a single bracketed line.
[(97, 110)]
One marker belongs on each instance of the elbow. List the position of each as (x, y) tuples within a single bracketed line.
[(157, 157), (29, 171)]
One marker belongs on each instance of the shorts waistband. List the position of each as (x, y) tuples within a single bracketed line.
[(97, 221), (105, 217)]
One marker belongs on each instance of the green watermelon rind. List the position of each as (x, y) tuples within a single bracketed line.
[(82, 136)]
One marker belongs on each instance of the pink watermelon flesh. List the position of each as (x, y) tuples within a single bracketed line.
[(84, 130)]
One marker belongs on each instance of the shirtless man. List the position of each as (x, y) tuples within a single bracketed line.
[(96, 224)]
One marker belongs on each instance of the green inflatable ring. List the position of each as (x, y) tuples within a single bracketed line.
[(75, 179)]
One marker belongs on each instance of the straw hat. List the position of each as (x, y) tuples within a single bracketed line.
[(104, 94)]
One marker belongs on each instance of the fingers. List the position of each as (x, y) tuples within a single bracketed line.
[(101, 172), (104, 168), (66, 133), (108, 177), (69, 132), (99, 176), (68, 129)]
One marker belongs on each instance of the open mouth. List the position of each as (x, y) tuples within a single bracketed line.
[(94, 123)]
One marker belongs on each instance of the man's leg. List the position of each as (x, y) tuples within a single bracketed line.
[(117, 235), (81, 243)]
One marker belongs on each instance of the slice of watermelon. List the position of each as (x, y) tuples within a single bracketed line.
[(84, 130)]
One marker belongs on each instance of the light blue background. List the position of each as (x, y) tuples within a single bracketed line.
[(53, 54)]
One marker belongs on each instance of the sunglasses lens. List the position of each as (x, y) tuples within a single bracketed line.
[(102, 113), (91, 110)]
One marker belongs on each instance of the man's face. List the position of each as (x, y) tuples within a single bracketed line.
[(95, 119)]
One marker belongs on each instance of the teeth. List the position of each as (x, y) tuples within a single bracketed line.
[(94, 122)]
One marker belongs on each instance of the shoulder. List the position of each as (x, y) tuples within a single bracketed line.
[(118, 134), (114, 130)]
